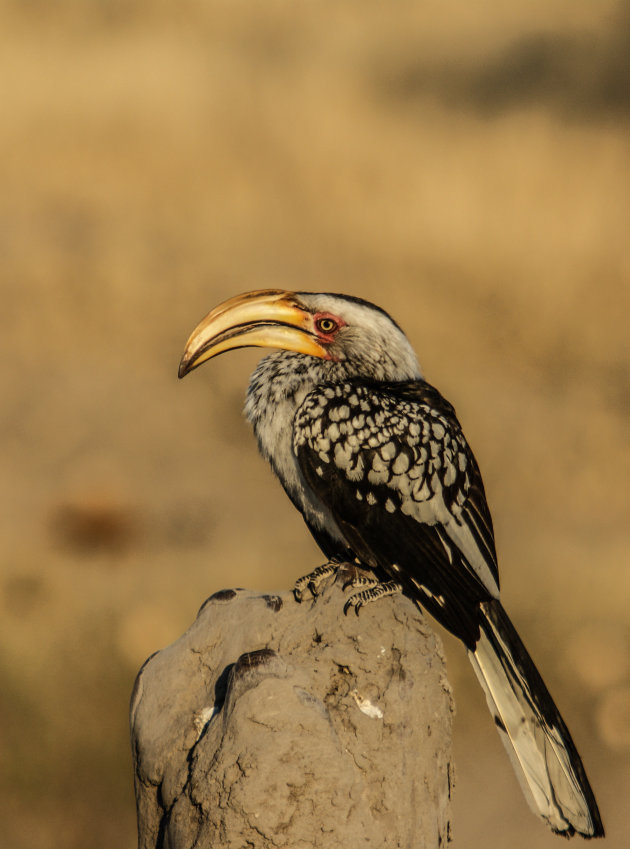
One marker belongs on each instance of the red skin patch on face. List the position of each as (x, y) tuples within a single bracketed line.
[(323, 337)]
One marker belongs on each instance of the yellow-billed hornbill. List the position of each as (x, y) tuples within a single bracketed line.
[(375, 460)]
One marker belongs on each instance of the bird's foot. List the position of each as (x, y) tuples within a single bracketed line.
[(355, 576), (313, 580), (374, 591)]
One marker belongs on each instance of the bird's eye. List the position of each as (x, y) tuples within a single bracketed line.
[(326, 325)]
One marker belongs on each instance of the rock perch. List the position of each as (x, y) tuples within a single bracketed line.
[(276, 724)]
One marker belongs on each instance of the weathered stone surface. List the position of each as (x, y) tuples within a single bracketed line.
[(276, 724)]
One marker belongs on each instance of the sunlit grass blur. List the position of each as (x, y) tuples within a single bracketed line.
[(468, 170)]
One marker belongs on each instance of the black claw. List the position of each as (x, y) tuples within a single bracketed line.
[(352, 602)]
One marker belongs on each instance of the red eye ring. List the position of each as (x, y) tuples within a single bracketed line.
[(326, 325)]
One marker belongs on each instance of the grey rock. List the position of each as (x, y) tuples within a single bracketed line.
[(276, 724)]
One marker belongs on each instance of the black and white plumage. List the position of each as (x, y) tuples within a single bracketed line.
[(375, 460)]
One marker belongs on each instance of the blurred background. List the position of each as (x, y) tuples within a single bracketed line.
[(468, 169)]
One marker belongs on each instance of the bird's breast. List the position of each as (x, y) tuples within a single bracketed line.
[(272, 404)]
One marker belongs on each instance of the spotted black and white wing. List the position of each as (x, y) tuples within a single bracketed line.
[(391, 463)]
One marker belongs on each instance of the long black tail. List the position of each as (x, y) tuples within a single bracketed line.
[(538, 742)]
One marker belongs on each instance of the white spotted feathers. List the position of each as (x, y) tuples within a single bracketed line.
[(398, 452), (405, 446)]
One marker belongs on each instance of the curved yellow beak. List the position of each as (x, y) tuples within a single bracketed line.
[(267, 318)]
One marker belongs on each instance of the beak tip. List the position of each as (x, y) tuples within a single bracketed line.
[(183, 369)]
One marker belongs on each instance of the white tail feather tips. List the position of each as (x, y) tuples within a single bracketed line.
[(541, 757)]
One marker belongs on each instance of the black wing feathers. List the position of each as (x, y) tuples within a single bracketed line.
[(392, 465)]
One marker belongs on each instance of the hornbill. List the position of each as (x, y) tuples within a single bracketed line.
[(375, 460)]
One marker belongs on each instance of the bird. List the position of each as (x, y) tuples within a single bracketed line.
[(376, 461)]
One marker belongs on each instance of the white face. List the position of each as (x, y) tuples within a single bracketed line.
[(368, 340)]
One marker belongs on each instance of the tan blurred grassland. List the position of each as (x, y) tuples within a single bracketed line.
[(466, 168)]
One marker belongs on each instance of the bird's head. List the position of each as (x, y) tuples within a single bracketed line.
[(354, 336)]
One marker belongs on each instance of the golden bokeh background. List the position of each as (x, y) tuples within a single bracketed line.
[(467, 168)]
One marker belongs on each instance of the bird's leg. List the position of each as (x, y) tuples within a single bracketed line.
[(314, 579), (373, 592)]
